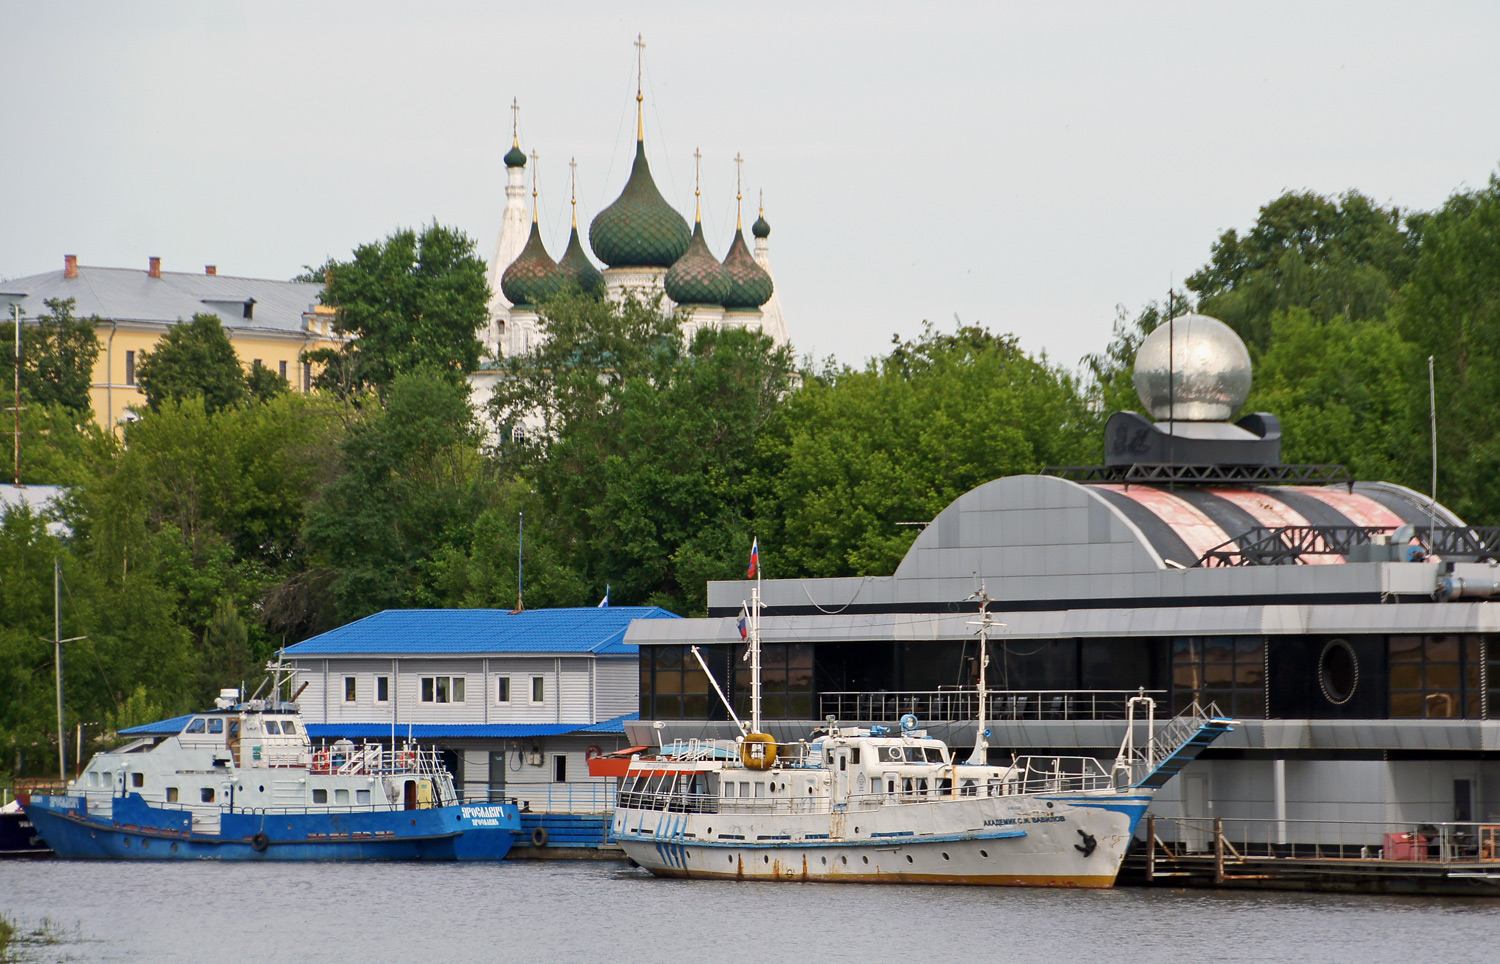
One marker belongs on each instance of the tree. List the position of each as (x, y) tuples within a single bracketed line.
[(409, 302), (1344, 256), (856, 453), (410, 484), (57, 358), (193, 360), (262, 384), (1450, 310), (641, 450)]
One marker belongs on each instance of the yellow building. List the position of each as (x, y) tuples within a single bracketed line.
[(271, 322)]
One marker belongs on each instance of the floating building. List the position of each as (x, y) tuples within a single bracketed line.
[(1352, 626)]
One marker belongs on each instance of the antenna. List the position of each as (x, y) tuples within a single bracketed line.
[(1432, 417), (980, 754), (15, 311)]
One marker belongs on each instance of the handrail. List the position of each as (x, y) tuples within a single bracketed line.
[(960, 704), (1302, 839)]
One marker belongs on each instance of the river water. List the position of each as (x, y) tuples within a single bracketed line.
[(523, 911)]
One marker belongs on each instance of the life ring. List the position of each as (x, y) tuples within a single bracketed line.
[(539, 837), (758, 751), (320, 760), (259, 843), (593, 752), (408, 759)]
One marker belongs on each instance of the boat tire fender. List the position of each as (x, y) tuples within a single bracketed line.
[(259, 843), (539, 837)]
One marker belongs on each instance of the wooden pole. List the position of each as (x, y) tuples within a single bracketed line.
[(1218, 851), (1150, 847)]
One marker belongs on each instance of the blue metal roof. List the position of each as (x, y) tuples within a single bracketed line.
[(170, 727), (600, 631), (420, 731)]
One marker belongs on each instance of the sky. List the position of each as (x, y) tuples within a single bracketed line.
[(1028, 167)]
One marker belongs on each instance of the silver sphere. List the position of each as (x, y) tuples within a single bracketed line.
[(1210, 370)]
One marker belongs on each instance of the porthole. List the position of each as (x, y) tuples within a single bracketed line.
[(767, 858), (983, 853), (1338, 671), (945, 856), (1049, 804), (865, 859), (825, 861), (845, 859), (908, 858), (731, 858), (174, 846)]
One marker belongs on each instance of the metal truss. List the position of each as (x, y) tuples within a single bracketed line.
[(1150, 473), (1286, 545)]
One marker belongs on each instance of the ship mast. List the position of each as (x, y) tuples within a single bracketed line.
[(980, 755)]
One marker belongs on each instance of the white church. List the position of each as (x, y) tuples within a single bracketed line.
[(647, 249)]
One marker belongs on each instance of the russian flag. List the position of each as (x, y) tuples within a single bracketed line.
[(754, 559), (744, 623)]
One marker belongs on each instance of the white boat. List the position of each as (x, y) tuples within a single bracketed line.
[(892, 805)]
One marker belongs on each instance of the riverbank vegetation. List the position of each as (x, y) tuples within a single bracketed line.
[(235, 517)]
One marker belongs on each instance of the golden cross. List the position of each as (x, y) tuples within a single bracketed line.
[(640, 55), (739, 222), (515, 121), (533, 184), (573, 188)]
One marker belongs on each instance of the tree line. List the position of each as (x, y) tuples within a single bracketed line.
[(235, 517)]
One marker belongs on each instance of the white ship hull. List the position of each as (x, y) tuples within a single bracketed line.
[(1024, 841)]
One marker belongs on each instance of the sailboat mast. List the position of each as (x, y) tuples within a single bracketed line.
[(755, 654), (62, 742)]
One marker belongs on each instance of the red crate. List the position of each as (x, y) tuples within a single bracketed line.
[(1405, 846)]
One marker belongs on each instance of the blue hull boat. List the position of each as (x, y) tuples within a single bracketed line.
[(134, 829), (244, 782)]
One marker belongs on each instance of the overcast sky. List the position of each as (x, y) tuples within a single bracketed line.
[(1029, 167)]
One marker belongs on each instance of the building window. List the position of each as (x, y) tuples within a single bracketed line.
[(786, 682), (249, 311), (502, 689), (1435, 677), (130, 368), (559, 769), (382, 689), (306, 376), (283, 371), (351, 689), (442, 689), (538, 689), (1227, 670)]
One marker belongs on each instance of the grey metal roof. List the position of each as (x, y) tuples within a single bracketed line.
[(132, 295)]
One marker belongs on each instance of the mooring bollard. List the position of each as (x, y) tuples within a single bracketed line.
[(1218, 850)]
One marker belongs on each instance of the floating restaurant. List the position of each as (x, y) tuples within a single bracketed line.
[(1349, 625)]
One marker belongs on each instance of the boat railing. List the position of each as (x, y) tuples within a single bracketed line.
[(960, 704), (1436, 842), (1139, 758), (578, 797)]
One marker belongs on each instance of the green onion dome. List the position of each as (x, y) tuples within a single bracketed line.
[(533, 277), (761, 229), (514, 157), (749, 285), (639, 230), (697, 278), (576, 267)]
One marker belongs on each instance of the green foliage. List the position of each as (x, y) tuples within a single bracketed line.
[(409, 302), (1450, 310), (194, 360), (1335, 257), (57, 358), (856, 453), (410, 483), (1345, 394), (262, 384)]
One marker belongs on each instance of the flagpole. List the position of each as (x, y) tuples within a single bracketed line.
[(755, 646)]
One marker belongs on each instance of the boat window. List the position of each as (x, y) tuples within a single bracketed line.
[(744, 788), (138, 779), (234, 729), (195, 727), (206, 794), (93, 778), (934, 754), (854, 755), (171, 794), (843, 762), (320, 796), (273, 728), (216, 726), (362, 797), (893, 754), (341, 796), (288, 727), (728, 788)]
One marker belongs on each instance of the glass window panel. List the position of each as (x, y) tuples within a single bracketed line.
[(645, 705), (287, 726), (774, 705), (427, 689), (669, 681), (800, 679), (1218, 649), (1249, 648), (1217, 674), (694, 681), (801, 706), (669, 707), (1249, 674), (1250, 704), (1406, 676), (773, 678), (1406, 704), (1441, 705), (1443, 648), (1472, 708), (1405, 649), (669, 656), (1183, 649), (1442, 676), (1186, 677), (458, 689), (442, 689), (695, 707), (800, 655)]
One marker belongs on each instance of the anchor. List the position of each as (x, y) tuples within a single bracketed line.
[(1089, 843)]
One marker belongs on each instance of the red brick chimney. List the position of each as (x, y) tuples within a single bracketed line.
[(70, 266), (210, 269), (155, 271)]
